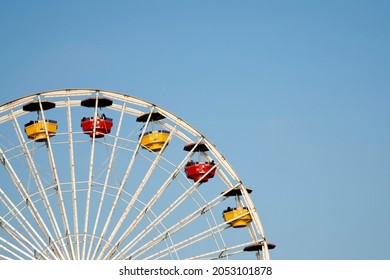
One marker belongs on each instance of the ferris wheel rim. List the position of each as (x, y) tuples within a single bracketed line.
[(125, 97)]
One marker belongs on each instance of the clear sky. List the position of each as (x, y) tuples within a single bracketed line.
[(295, 94)]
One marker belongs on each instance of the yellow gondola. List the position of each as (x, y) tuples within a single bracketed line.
[(155, 140), (237, 217), (36, 130)]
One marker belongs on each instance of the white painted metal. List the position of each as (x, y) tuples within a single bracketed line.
[(86, 204), (57, 187), (109, 168), (73, 179)]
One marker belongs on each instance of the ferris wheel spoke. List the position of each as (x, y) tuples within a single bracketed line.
[(90, 176), (188, 242), (120, 254), (204, 209), (109, 168), (141, 187), (33, 171), (22, 221), (3, 257), (169, 232), (123, 183), (152, 200), (73, 180), (223, 253), (13, 250), (21, 241), (30, 204), (178, 201), (58, 191)]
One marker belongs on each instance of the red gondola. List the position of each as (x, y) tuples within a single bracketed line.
[(196, 170), (103, 124)]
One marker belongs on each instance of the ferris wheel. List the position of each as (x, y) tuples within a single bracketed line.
[(93, 174)]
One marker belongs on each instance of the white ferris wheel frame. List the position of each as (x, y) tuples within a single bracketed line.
[(78, 245)]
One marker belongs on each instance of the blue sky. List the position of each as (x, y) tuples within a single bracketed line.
[(295, 94)]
